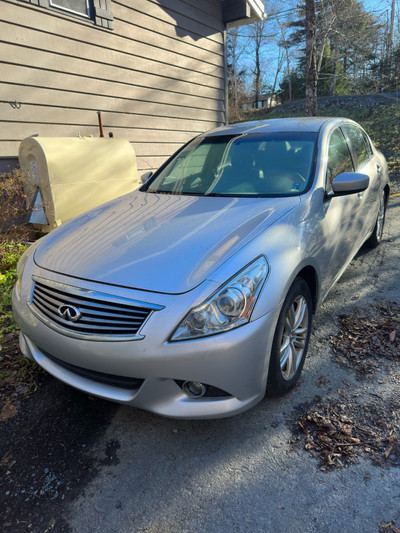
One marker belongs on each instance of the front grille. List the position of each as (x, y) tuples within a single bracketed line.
[(122, 382), (88, 314)]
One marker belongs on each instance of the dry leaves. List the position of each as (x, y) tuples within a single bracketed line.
[(364, 340), (388, 527), (338, 433), (8, 410)]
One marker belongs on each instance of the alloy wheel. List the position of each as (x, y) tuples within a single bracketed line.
[(294, 337), (381, 219)]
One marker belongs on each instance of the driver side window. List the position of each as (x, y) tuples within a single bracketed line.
[(339, 158)]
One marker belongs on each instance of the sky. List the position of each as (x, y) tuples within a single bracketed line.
[(378, 7)]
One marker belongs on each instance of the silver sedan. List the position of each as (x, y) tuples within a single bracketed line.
[(193, 295)]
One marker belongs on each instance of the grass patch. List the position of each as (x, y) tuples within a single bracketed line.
[(10, 253), (18, 375)]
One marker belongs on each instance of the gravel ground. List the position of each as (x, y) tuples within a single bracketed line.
[(71, 463)]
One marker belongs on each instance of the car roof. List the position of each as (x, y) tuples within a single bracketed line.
[(298, 124)]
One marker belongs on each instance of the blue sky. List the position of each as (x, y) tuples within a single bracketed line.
[(376, 4), (379, 6)]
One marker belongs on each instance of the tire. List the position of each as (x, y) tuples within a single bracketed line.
[(376, 236), (292, 334)]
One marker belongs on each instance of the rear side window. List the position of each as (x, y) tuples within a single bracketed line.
[(339, 158), (359, 143)]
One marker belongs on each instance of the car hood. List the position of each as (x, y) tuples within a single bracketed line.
[(161, 243)]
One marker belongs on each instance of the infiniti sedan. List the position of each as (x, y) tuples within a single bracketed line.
[(193, 296)]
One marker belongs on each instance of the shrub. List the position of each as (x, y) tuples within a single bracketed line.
[(13, 211), (10, 253)]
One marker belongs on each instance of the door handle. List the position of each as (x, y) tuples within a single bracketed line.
[(379, 169)]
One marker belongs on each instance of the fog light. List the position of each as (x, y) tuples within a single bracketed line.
[(194, 389)]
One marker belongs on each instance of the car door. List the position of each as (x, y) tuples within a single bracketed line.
[(364, 162), (340, 214)]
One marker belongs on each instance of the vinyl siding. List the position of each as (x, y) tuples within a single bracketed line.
[(158, 77)]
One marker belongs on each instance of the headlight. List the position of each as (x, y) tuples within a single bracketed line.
[(229, 307)]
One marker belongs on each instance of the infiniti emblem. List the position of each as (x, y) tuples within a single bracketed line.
[(69, 312)]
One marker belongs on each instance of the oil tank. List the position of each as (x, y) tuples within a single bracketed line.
[(65, 176)]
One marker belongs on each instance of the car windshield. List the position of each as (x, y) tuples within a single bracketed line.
[(275, 164)]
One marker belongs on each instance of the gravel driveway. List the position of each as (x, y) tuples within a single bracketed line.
[(83, 465)]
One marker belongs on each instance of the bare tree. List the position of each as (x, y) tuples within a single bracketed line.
[(279, 64), (311, 60), (236, 47), (284, 42), (326, 22), (257, 35)]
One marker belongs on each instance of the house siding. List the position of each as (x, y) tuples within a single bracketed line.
[(158, 77)]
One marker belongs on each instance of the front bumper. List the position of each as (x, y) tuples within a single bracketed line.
[(235, 361)]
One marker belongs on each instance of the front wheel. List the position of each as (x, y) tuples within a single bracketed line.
[(291, 338), (376, 236)]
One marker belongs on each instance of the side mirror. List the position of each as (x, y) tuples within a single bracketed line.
[(349, 183), (145, 177)]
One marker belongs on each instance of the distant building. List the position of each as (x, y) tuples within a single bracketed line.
[(154, 68), (264, 100)]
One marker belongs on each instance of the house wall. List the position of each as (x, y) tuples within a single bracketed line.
[(157, 76)]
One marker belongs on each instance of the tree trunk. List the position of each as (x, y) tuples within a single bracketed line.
[(335, 64), (391, 35), (277, 72), (311, 73), (321, 55), (234, 79), (257, 77), (287, 56)]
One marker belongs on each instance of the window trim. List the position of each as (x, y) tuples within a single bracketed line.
[(100, 11)]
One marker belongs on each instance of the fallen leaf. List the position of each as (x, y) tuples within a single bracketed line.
[(346, 429), (9, 411), (392, 335), (388, 451), (325, 438)]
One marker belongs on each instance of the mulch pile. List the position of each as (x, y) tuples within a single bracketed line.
[(338, 433), (364, 340)]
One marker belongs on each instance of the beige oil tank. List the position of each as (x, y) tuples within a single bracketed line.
[(65, 176)]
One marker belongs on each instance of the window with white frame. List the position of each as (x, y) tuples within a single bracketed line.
[(79, 7), (99, 11)]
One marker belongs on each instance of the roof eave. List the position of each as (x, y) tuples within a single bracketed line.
[(247, 11)]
